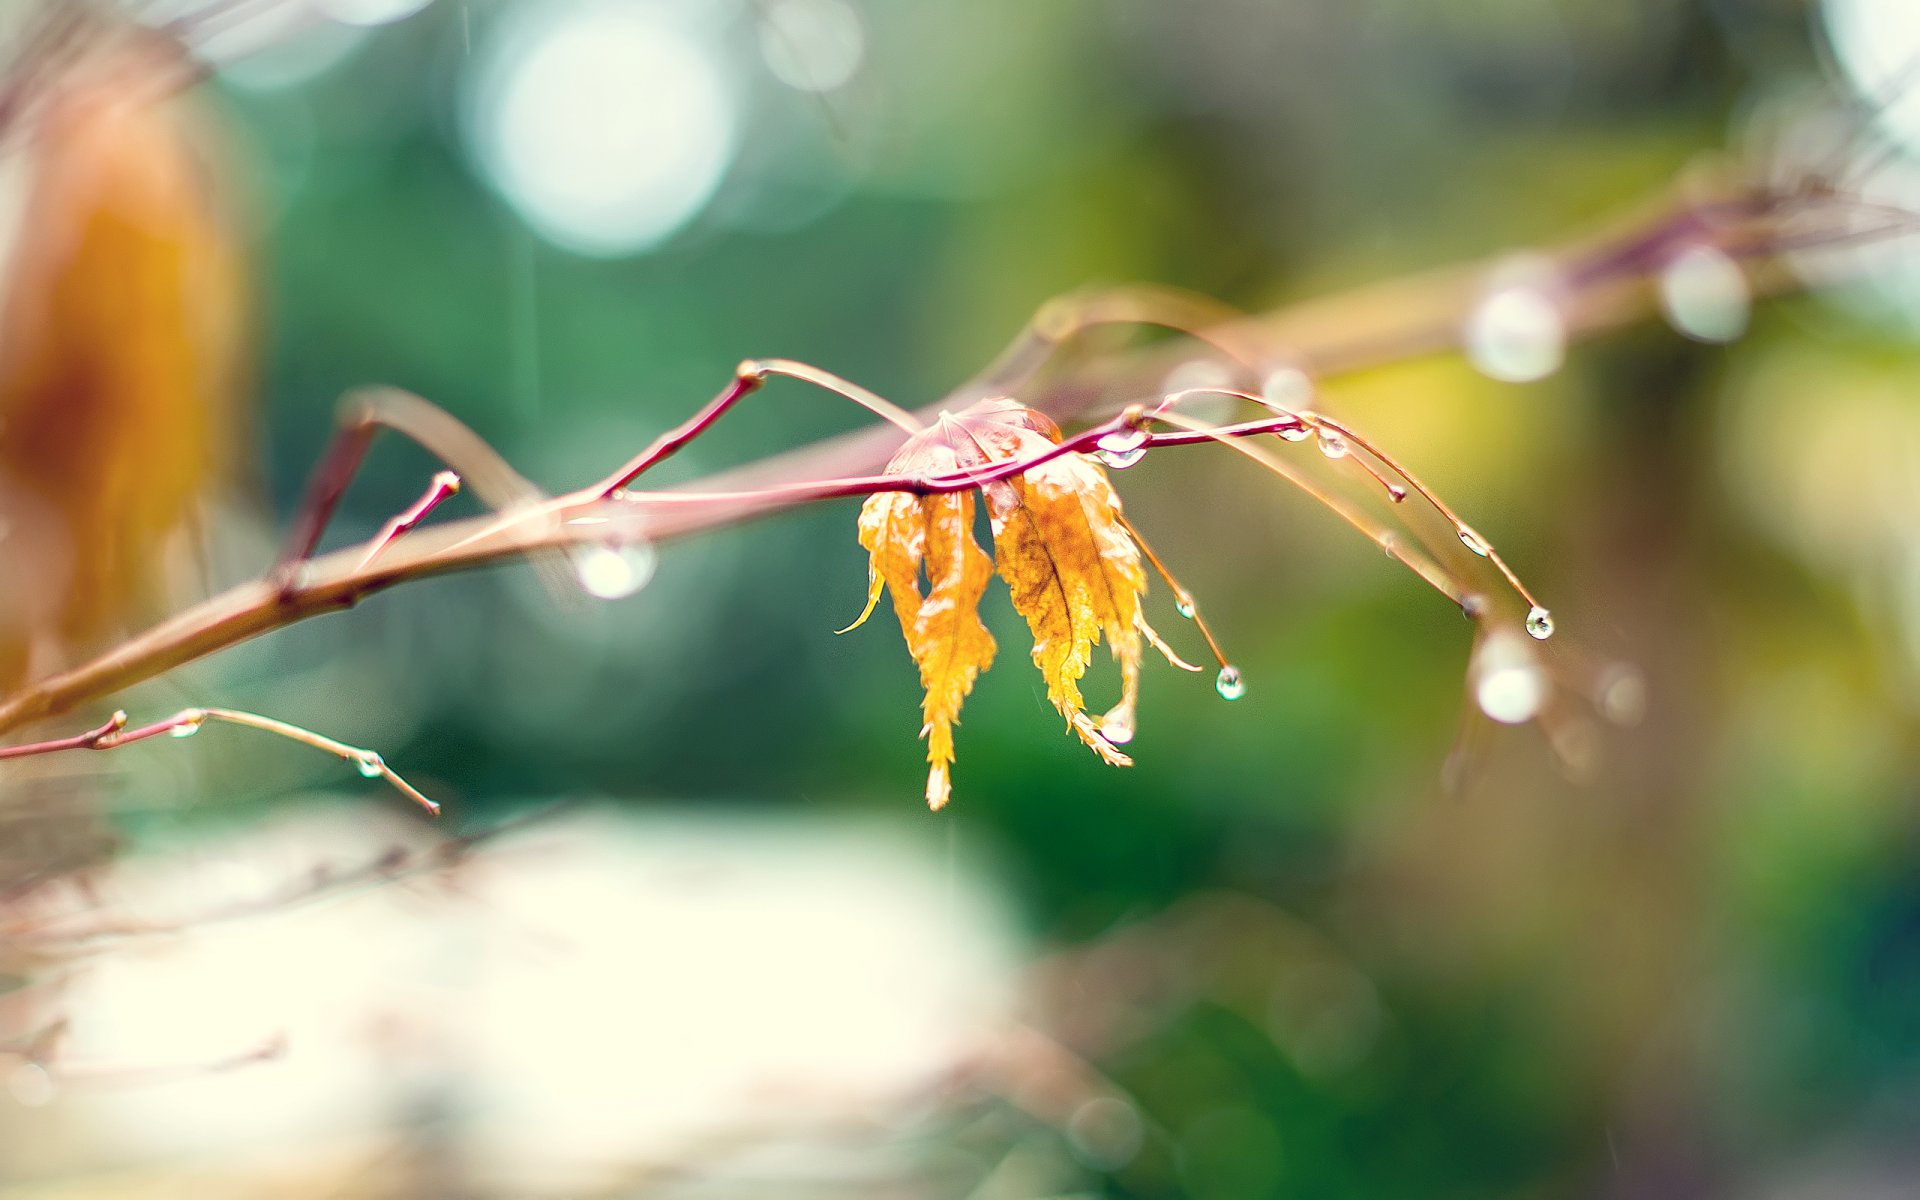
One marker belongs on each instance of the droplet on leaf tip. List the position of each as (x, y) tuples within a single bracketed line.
[(1117, 727)]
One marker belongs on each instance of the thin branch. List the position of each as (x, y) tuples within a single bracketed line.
[(1370, 328), (114, 733)]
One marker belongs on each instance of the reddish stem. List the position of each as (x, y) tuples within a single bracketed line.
[(445, 484)]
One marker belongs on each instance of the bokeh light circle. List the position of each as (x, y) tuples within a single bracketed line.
[(606, 124)]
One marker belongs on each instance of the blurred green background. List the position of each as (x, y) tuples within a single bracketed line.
[(1694, 973)]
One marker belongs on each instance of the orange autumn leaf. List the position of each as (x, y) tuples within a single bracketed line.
[(904, 533), (121, 344), (1072, 567)]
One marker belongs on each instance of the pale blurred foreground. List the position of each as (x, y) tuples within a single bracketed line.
[(589, 1000)]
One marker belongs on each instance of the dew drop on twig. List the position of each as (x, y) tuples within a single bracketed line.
[(369, 764), (1122, 448), (1474, 542), (1539, 623), (1332, 444), (1229, 684)]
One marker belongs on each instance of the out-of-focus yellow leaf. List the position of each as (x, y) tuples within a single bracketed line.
[(121, 343)]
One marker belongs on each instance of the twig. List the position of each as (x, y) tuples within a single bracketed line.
[(114, 734), (1370, 328)]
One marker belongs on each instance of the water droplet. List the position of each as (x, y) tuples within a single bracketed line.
[(1122, 448), (1539, 623), (369, 764), (1295, 432), (1473, 606), (1332, 444), (1474, 542), (1117, 727), (190, 723), (1516, 333), (1229, 684), (1390, 543), (1287, 387), (615, 571), (1183, 604), (1396, 493), (1508, 684), (1705, 296)]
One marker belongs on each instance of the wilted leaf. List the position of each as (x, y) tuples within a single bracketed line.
[(1074, 571), (903, 532), (120, 346)]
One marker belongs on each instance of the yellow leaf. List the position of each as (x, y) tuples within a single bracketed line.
[(903, 532), (122, 344), (1073, 569)]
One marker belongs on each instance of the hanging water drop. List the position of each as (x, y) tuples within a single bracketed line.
[(615, 571), (1705, 295), (1229, 684), (369, 764), (1295, 431), (1396, 493), (1474, 542), (1122, 448), (1539, 623), (188, 724), (1117, 726), (1332, 444), (1183, 604)]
